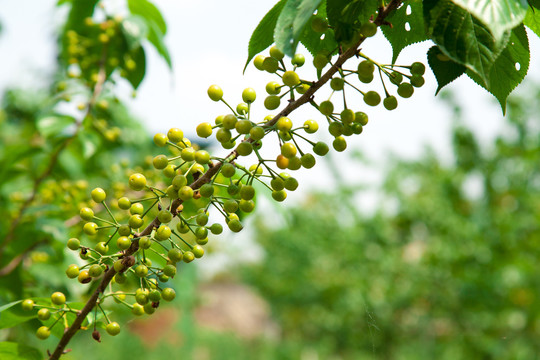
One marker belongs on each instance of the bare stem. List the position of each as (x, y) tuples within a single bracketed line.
[(210, 173)]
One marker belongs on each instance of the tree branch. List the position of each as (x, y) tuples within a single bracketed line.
[(209, 174)]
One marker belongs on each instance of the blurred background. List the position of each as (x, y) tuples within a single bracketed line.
[(422, 241)]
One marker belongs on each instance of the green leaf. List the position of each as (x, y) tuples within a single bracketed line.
[(135, 30), (155, 36), (509, 69), (462, 37), (263, 35), (16, 351), (79, 11), (12, 314), (136, 76), (407, 27), (54, 125), (315, 42), (155, 25), (443, 67), (498, 16), (345, 16), (149, 12), (532, 21), (291, 23)]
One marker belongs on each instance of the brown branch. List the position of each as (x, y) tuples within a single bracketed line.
[(213, 169), (54, 159)]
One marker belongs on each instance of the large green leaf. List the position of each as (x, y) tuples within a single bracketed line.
[(12, 315), (443, 67), (291, 22), (54, 125), (135, 31), (498, 16), (155, 24), (345, 16), (263, 35), (532, 21), (16, 351), (136, 76), (462, 37), (510, 67), (407, 27), (149, 12)]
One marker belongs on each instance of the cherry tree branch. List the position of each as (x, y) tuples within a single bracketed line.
[(210, 173)]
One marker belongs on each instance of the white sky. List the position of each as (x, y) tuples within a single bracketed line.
[(208, 43)]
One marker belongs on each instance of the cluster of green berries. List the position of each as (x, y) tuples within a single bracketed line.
[(163, 226)]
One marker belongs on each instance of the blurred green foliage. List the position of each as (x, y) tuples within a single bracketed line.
[(446, 267)]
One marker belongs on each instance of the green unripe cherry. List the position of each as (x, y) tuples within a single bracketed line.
[(202, 157), (311, 126), (288, 150), (86, 214), (90, 228), (272, 102), (242, 108), (198, 251), (270, 65), (326, 108), (320, 148), (276, 53), (74, 244), (216, 229), (141, 271), (43, 333), (165, 216), (27, 305), (258, 62), (207, 190), (405, 90), (390, 103), (337, 84), (290, 78), (124, 203), (273, 88), (256, 133), (58, 298), (175, 255), (102, 248), (298, 60), (294, 163), (247, 192), (95, 270), (160, 162), (279, 195), (372, 98), (44, 314), (368, 29), (98, 195), (215, 93), (243, 126), (123, 242), (361, 118), (291, 183), (72, 271), (229, 121), (163, 232), (223, 135), (284, 124), (417, 80), (113, 329), (339, 143), (137, 182), (244, 148), (230, 205), (248, 95), (185, 193), (160, 139), (347, 116), (135, 221), (417, 68), (168, 294), (320, 61), (175, 135), (228, 170), (204, 129), (308, 161), (319, 24), (335, 128)]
